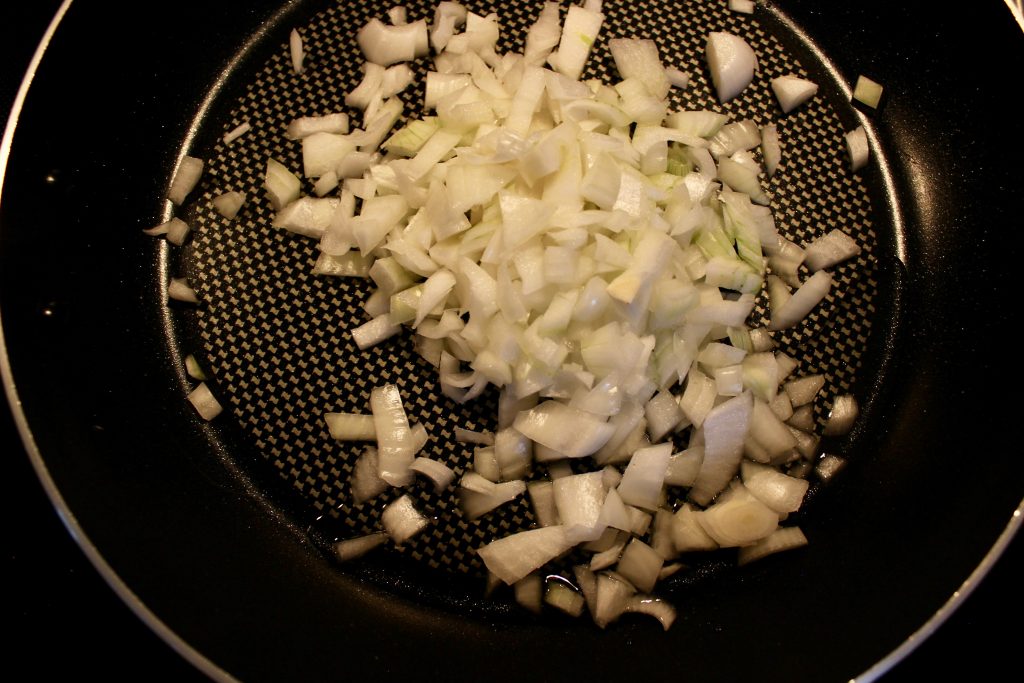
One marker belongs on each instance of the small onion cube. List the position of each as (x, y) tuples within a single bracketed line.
[(844, 414), (229, 204), (205, 403), (644, 476), (857, 148), (829, 249), (867, 91), (436, 471), (529, 592), (402, 521), (563, 597), (185, 179), (782, 539), (513, 557), (350, 427), (237, 132), (179, 290), (640, 565), (353, 548), (661, 610), (792, 91)]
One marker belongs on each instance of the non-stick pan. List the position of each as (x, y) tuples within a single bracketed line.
[(216, 533)]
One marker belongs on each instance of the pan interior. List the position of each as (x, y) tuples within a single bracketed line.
[(276, 340)]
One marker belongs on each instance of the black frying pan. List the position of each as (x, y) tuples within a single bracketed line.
[(895, 483)]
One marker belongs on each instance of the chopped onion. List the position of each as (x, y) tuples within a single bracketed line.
[(513, 557), (687, 533), (829, 466), (732, 63), (740, 520), (305, 126), (867, 91), (237, 132), (296, 51), (394, 440), (613, 594), (579, 500), (436, 471), (542, 496), (844, 414), (282, 186), (351, 427), (660, 609), (353, 548), (857, 148), (744, 7), (529, 592), (780, 492), (802, 390), (644, 476), (770, 148), (194, 370), (778, 541), (830, 249), (229, 204), (475, 504), (562, 596), (803, 301), (205, 403), (792, 91), (724, 431), (401, 520), (366, 483), (185, 179), (640, 565), (179, 290), (386, 45)]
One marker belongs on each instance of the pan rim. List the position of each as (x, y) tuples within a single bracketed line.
[(205, 665)]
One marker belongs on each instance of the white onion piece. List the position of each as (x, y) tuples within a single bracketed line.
[(803, 301), (638, 58), (587, 581), (724, 430), (475, 504), (305, 126), (351, 427), (614, 513), (771, 150), (529, 592), (731, 62), (513, 557), (386, 45), (470, 436), (296, 51), (579, 33), (185, 179), (282, 186), (661, 610), (867, 91), (743, 7), (738, 521), (782, 407), (374, 331), (401, 520), (802, 390), (857, 148), (609, 556), (640, 565), (684, 466), (676, 78), (179, 290), (687, 533), (194, 369), (236, 132), (663, 415), (436, 471), (829, 466), (229, 204), (831, 248), (778, 541), (353, 548), (644, 476), (792, 91), (307, 216), (395, 451), (613, 594), (564, 429), (542, 498), (780, 492), (205, 403), (844, 414), (806, 443), (366, 483), (478, 482), (579, 500), (769, 431), (563, 597)]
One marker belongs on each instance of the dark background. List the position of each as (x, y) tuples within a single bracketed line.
[(66, 620)]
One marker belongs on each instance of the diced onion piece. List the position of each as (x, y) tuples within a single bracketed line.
[(542, 496), (296, 51), (402, 520), (395, 452), (513, 557), (844, 414), (229, 204), (529, 592), (867, 91), (803, 301), (725, 429), (386, 45), (374, 331), (185, 179), (566, 430), (640, 565), (663, 415), (563, 597), (350, 264), (802, 391), (743, 7), (684, 466), (351, 427), (780, 492), (857, 148), (366, 483), (579, 500), (282, 186), (687, 533), (732, 63), (782, 539), (644, 476), (205, 403), (738, 521), (579, 33), (792, 91), (475, 504), (353, 548), (237, 132), (829, 466), (613, 594), (587, 581), (471, 436), (194, 370), (677, 78), (179, 290), (662, 610), (829, 249), (771, 150), (305, 126), (638, 58)]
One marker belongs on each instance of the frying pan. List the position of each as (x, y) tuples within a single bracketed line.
[(218, 553)]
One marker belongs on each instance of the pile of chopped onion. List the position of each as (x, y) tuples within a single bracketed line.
[(594, 255)]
